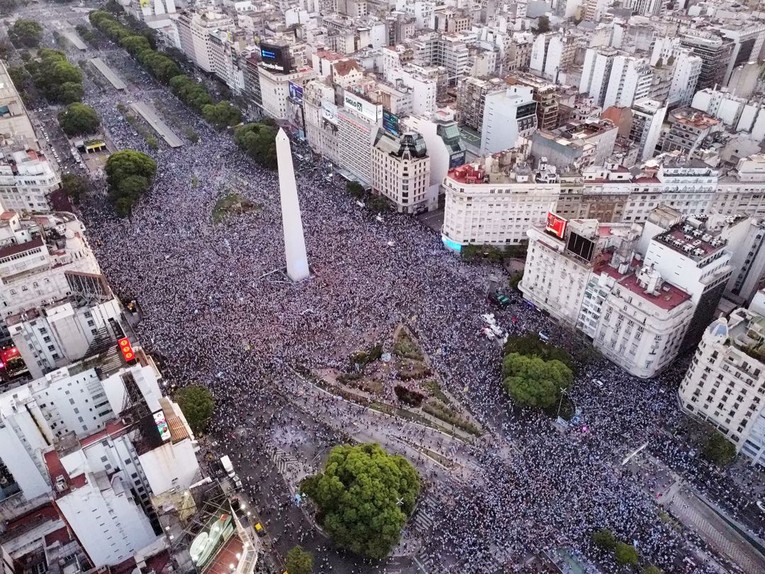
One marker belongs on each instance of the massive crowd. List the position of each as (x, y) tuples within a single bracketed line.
[(217, 306)]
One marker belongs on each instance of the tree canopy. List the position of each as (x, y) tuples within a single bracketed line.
[(74, 186), (129, 174), (533, 382), (364, 497), (25, 33), (221, 115), (58, 80), (299, 561), (604, 539), (543, 25), (719, 449), (626, 554), (197, 404), (79, 119), (259, 142), (532, 345)]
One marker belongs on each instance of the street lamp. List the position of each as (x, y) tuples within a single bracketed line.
[(560, 402)]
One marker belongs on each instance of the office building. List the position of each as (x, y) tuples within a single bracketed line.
[(647, 119), (358, 121), (715, 53), (629, 80), (194, 34), (471, 100)]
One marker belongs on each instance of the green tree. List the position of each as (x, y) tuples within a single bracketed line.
[(364, 497), (299, 561), (604, 539), (719, 449), (531, 345), (55, 77), (259, 142), (25, 33), (74, 186), (221, 115), (626, 554), (79, 119), (135, 44), (543, 25), (534, 382), (197, 404), (652, 569), (128, 174), (69, 93), (355, 189)]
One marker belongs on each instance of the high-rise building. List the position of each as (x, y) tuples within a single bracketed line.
[(715, 53), (507, 116), (401, 171), (596, 73), (725, 383), (647, 120), (321, 121), (546, 96), (471, 100), (194, 34), (747, 234), (358, 121), (629, 80)]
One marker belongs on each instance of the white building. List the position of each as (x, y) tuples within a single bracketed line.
[(493, 202), (401, 171), (746, 236), (27, 178), (423, 88), (725, 383), (596, 73), (647, 119), (591, 277), (507, 116), (274, 89), (39, 258), (358, 122), (629, 80), (194, 34), (321, 121)]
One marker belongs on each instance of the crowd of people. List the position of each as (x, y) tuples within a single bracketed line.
[(217, 306)]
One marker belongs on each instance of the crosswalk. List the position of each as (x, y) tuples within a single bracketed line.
[(423, 519), (288, 466)]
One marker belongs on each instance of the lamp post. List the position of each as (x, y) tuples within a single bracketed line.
[(560, 402)]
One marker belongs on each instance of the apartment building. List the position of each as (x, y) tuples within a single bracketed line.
[(725, 383), (494, 201), (507, 116), (401, 171)]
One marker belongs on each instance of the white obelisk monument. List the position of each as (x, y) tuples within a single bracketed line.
[(294, 241)]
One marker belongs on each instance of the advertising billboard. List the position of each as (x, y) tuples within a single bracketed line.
[(329, 112), (206, 545), (457, 159), (296, 92), (296, 118), (556, 225), (390, 123), (164, 430), (366, 109), (276, 58)]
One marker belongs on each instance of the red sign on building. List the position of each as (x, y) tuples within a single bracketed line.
[(556, 225), (126, 349)]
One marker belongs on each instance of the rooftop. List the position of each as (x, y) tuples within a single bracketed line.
[(692, 118), (692, 239), (668, 297)]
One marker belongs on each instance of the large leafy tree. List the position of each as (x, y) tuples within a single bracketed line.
[(129, 174), (74, 186), (259, 142), (531, 345), (79, 119), (222, 114), (533, 382), (299, 561), (55, 77), (364, 497), (25, 33), (197, 404), (626, 554), (719, 449)]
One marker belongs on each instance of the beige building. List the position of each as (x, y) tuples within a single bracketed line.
[(494, 201), (725, 383), (401, 171)]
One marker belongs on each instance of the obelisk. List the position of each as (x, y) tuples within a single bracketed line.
[(294, 241)]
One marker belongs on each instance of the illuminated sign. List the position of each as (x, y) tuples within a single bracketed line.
[(556, 225), (451, 244), (457, 159), (362, 107), (275, 58), (206, 545), (390, 123), (126, 349), (164, 430), (296, 93)]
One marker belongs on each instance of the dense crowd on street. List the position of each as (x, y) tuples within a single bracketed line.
[(218, 308)]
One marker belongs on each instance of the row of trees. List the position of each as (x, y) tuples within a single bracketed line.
[(129, 174), (166, 70), (79, 119)]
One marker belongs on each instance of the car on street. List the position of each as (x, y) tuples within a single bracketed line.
[(499, 299), (259, 530)]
